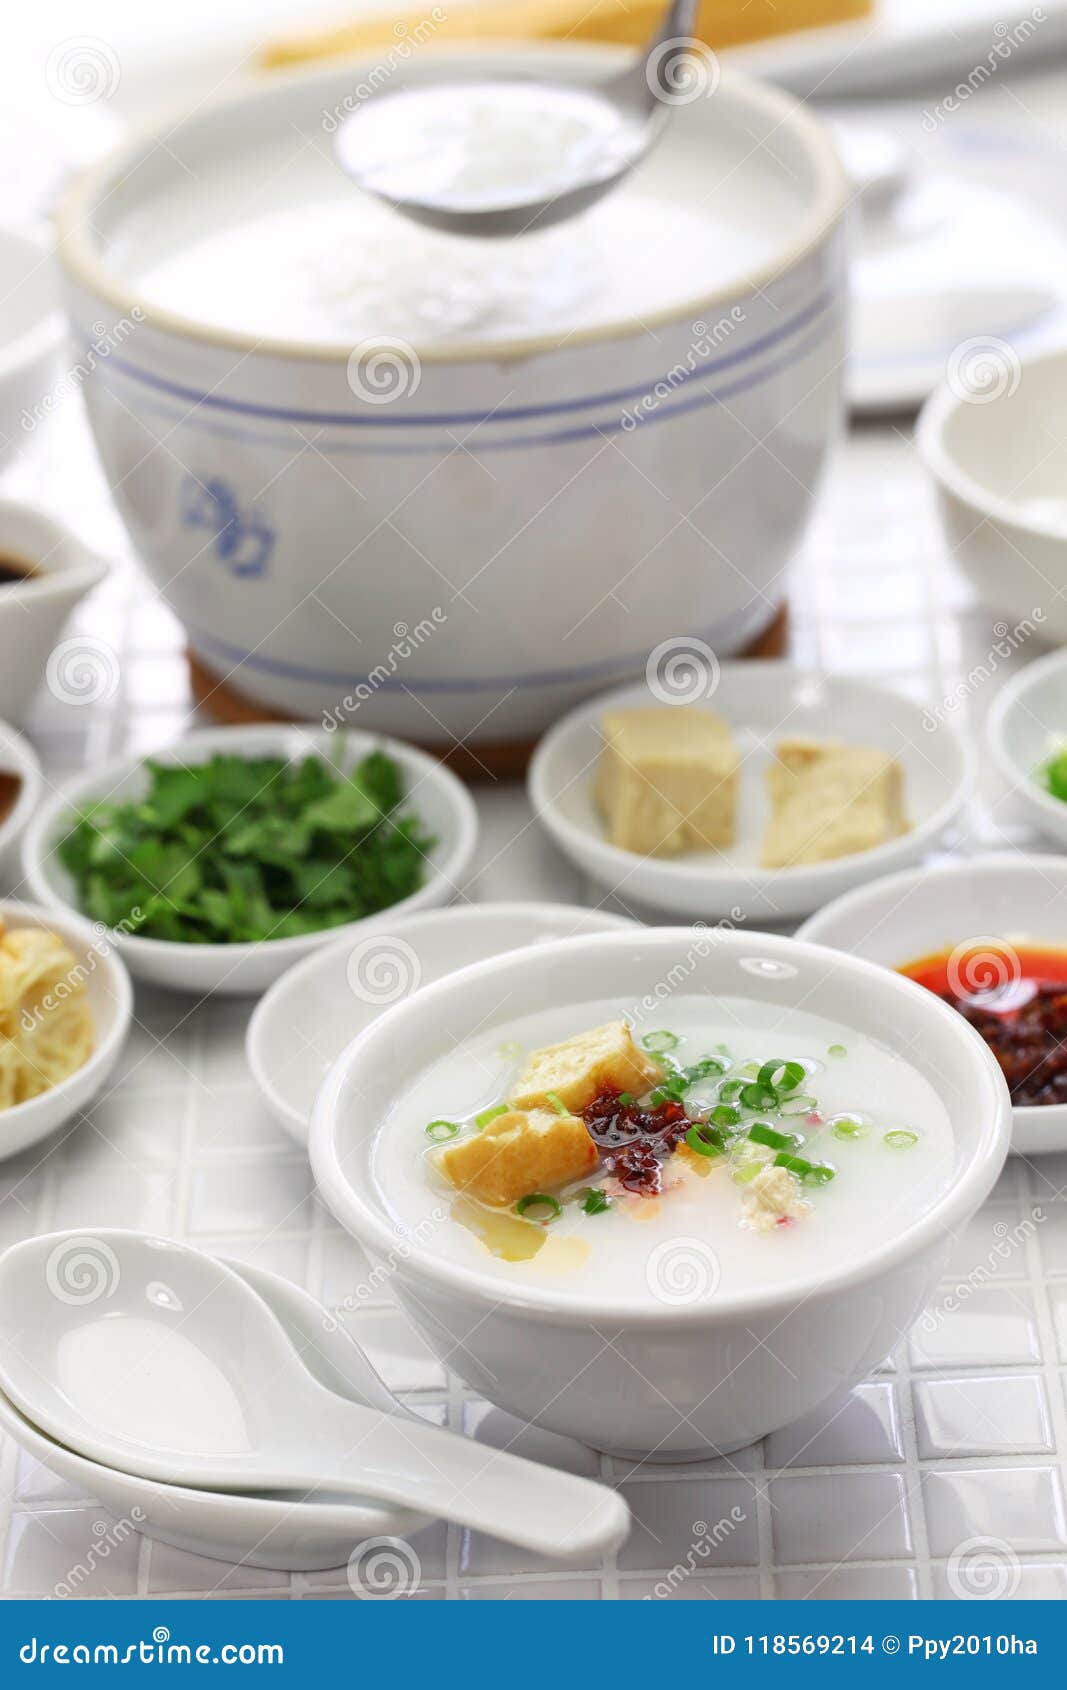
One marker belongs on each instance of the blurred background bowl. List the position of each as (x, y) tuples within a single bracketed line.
[(995, 442)]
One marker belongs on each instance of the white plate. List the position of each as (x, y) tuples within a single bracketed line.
[(984, 903), (761, 701), (258, 1531), (441, 802), (1027, 722), (17, 757), (903, 44), (299, 1029), (111, 1006)]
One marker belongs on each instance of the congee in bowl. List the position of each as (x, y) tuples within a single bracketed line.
[(740, 1157)]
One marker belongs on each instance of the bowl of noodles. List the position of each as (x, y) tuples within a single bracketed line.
[(66, 1003)]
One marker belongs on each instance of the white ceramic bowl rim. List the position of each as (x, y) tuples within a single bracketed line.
[(700, 874), (94, 941), (419, 922), (17, 757), (1010, 863), (359, 1211), (258, 739), (930, 433), (78, 252)]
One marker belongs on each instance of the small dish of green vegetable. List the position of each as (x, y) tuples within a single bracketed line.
[(1027, 733), (221, 860)]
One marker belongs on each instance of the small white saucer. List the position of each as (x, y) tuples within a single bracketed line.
[(299, 1029), (761, 701), (1002, 899), (260, 1531), (1027, 724)]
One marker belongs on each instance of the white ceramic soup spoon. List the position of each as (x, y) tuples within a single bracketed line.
[(503, 157), (155, 1359)]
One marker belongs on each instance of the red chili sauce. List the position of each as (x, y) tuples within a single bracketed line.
[(634, 1142), (1016, 997)]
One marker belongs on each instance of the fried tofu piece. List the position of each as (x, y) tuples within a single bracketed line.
[(520, 1152), (579, 1069), (829, 800), (667, 780)]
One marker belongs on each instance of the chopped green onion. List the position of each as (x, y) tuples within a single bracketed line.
[(709, 1067), (724, 1116), (731, 1090), (439, 1131), (705, 1139), (796, 1105), (755, 1096), (746, 1171), (557, 1103), (902, 1139), (626, 1098), (671, 1091), (659, 1042), (761, 1133), (594, 1201), (811, 1173), (539, 1200), (849, 1129), (748, 1070), (781, 1076), (488, 1115), (723, 1050), (837, 1050)]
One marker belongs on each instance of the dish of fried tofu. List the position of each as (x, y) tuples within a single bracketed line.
[(669, 781)]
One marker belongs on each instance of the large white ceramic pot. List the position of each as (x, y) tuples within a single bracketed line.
[(459, 531)]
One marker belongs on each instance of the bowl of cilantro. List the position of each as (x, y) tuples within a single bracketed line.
[(220, 861)]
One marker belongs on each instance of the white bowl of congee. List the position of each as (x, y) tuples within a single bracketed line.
[(668, 1190)]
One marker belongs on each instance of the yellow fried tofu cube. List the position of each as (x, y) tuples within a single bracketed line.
[(667, 780), (579, 1069), (517, 1153), (829, 800)]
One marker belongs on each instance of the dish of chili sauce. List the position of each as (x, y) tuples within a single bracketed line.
[(1015, 996)]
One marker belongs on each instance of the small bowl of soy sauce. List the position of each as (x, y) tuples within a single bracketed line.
[(45, 571)]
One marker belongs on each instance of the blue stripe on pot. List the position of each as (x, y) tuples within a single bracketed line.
[(585, 431), (344, 419)]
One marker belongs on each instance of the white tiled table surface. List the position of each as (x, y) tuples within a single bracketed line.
[(962, 1437)]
